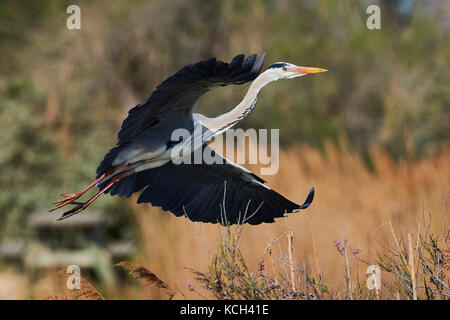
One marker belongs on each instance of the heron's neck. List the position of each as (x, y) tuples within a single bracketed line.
[(229, 119)]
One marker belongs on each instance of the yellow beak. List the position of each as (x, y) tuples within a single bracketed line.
[(307, 70)]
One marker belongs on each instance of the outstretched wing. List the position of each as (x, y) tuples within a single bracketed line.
[(217, 193), (170, 105), (177, 95)]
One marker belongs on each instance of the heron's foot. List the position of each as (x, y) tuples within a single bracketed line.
[(71, 197), (80, 206), (68, 196), (68, 199)]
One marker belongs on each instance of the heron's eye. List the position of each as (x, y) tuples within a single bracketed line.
[(284, 69)]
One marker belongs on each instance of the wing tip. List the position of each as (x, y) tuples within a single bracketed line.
[(308, 201), (259, 63)]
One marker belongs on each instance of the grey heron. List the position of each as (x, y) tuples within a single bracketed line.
[(218, 193)]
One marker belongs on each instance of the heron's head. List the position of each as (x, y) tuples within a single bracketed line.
[(285, 70)]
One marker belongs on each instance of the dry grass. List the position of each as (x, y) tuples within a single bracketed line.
[(357, 218), (352, 205), (419, 264), (60, 291), (147, 277), (415, 270)]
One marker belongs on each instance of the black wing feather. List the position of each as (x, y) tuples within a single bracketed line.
[(198, 190), (175, 97), (180, 91)]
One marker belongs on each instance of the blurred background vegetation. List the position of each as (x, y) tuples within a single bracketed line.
[(64, 93)]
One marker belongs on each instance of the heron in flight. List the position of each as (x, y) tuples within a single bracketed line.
[(223, 193)]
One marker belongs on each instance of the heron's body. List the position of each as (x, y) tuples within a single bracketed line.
[(143, 157)]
